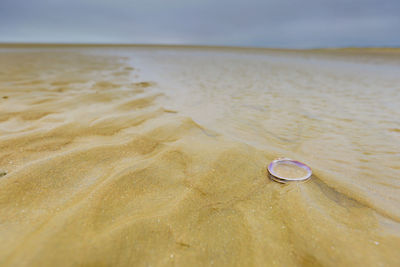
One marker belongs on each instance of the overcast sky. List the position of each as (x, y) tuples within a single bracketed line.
[(261, 23)]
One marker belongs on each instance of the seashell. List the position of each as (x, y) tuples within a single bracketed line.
[(283, 170)]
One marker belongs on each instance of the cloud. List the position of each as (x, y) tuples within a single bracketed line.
[(263, 23)]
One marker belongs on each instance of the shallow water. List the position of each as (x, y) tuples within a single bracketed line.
[(158, 156)]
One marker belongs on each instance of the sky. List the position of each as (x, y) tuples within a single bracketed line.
[(254, 23)]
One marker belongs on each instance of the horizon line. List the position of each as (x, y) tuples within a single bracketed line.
[(3, 44)]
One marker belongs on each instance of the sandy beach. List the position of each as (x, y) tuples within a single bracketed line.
[(157, 156)]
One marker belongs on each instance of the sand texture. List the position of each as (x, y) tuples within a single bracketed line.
[(135, 156)]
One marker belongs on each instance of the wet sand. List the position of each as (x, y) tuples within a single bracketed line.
[(157, 156)]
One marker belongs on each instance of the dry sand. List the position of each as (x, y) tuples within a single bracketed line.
[(134, 156)]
